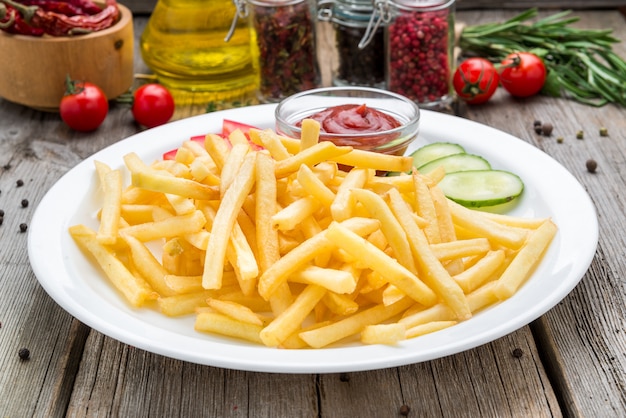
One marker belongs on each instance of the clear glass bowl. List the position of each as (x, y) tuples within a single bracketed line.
[(297, 107)]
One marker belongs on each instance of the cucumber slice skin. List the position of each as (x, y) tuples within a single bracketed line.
[(482, 188), (434, 151), (456, 162)]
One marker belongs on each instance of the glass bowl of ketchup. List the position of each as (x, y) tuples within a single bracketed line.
[(362, 117)]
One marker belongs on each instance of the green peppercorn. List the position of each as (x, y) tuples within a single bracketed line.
[(604, 131), (580, 135), (559, 140)]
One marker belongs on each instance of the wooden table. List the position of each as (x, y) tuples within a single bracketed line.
[(572, 362)]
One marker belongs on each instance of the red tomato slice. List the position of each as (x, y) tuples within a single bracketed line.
[(228, 126)]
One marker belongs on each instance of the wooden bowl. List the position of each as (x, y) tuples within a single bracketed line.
[(34, 68)]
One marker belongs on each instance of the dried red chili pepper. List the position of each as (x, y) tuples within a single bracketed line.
[(286, 42), (55, 6), (13, 21), (57, 24), (56, 18)]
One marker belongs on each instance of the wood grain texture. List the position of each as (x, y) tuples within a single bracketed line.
[(573, 358)]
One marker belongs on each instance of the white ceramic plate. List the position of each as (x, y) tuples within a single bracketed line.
[(75, 284)]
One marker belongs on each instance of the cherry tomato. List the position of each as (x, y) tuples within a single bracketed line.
[(475, 80), (153, 105), (522, 74), (84, 106)]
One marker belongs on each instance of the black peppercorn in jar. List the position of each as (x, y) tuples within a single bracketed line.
[(419, 49), (359, 50), (284, 45)]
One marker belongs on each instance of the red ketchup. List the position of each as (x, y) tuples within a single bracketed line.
[(358, 121)]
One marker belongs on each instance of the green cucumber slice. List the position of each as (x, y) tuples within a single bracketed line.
[(456, 162), (480, 188), (433, 151)]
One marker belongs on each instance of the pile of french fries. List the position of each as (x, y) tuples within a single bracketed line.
[(299, 244)]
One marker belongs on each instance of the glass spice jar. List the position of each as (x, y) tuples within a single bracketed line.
[(359, 50), (420, 42), (284, 44)]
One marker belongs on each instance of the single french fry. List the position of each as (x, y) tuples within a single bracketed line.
[(223, 224), (291, 318), (266, 192), (221, 324), (342, 205), (460, 248), (235, 310), (428, 328), (323, 336), (217, 148), (314, 186), (318, 153), (294, 214), (525, 260), (135, 289), (237, 137), (337, 281), (149, 267), (183, 284), (310, 133), (166, 228), (233, 163), (425, 208), (378, 261), (111, 207), (340, 304), (511, 237), (185, 304), (271, 142), (481, 271), (375, 161), (383, 334)]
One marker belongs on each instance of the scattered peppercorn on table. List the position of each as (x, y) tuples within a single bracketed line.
[(569, 362)]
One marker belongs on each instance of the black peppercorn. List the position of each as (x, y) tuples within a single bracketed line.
[(1, 212), (23, 227), (404, 410), (546, 129), (592, 165), (344, 377), (517, 353), (24, 203), (19, 183), (24, 353)]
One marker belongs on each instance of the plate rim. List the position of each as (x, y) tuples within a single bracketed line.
[(262, 359)]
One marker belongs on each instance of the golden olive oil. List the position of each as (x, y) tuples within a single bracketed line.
[(184, 44)]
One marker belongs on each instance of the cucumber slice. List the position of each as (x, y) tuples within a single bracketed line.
[(433, 151), (456, 162), (480, 188)]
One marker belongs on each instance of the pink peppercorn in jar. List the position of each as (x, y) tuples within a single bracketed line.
[(419, 56)]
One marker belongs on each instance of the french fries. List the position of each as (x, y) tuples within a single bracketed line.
[(301, 244)]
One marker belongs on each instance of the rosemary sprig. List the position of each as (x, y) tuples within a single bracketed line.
[(581, 63)]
